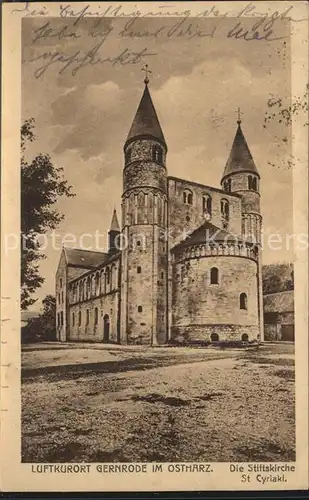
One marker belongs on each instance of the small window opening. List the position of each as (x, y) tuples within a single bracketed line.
[(243, 301), (214, 276)]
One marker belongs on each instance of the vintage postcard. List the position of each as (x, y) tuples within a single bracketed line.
[(154, 259)]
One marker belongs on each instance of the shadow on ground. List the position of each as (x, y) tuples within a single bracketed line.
[(74, 371)]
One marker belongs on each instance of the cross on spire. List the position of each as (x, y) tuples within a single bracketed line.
[(239, 116), (147, 72)]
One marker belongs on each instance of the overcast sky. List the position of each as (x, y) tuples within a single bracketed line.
[(197, 84)]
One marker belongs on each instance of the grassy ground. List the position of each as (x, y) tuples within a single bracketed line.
[(100, 403)]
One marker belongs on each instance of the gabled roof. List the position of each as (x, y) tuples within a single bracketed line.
[(279, 302), (240, 158), (87, 259), (146, 122), (109, 258), (207, 233)]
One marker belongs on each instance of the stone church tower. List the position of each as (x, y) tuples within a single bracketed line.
[(241, 176), (144, 224), (184, 265)]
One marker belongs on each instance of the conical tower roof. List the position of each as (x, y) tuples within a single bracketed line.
[(146, 123), (114, 223), (240, 158)]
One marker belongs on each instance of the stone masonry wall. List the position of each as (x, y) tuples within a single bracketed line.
[(107, 305), (142, 170), (250, 199), (203, 333), (196, 303), (61, 299), (144, 287), (184, 218)]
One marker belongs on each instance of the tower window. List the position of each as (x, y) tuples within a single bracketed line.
[(79, 318), (96, 316), (60, 282), (214, 276), (188, 197), (128, 155), (138, 243), (140, 309), (162, 275), (227, 185), (207, 204), (139, 269), (252, 183), (225, 213), (157, 154), (73, 319), (107, 276), (243, 301)]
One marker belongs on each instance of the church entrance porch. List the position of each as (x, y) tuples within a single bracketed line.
[(106, 328)]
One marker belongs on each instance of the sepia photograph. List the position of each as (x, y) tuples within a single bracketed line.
[(157, 237)]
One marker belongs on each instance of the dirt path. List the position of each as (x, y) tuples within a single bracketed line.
[(167, 407)]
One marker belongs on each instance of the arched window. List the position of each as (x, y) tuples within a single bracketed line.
[(139, 269), (87, 317), (80, 290), (214, 276), (243, 301), (157, 154), (88, 287), (107, 276), (245, 337), (79, 318), (225, 213), (73, 319), (96, 316), (207, 204), (97, 283), (128, 156), (227, 185), (214, 337), (140, 309), (188, 197), (252, 183)]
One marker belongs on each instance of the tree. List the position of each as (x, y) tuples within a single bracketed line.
[(42, 327), (42, 184), (277, 277)]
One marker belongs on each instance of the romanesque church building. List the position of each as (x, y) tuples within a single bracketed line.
[(183, 267)]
